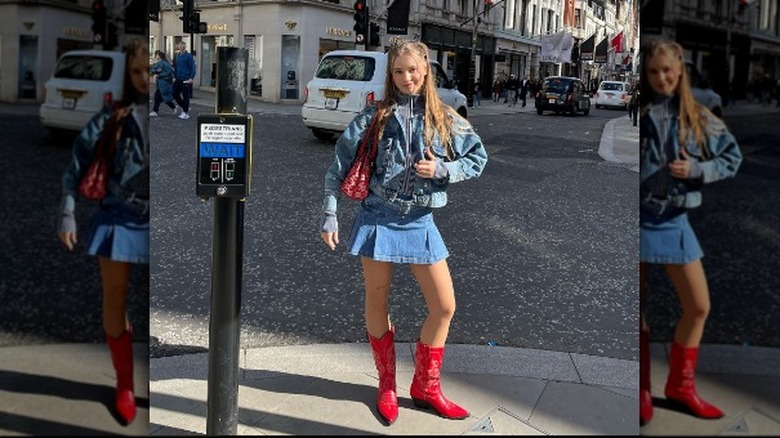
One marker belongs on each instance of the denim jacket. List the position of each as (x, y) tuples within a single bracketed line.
[(658, 188), (128, 174), (393, 176)]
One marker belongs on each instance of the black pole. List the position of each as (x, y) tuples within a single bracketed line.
[(227, 265)]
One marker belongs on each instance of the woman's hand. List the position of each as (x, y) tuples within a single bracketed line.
[(681, 168), (68, 239), (67, 231), (330, 239), (426, 168)]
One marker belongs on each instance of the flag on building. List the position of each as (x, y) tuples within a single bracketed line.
[(617, 42), (568, 13), (556, 47)]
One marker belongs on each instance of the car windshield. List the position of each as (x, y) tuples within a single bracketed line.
[(612, 86), (556, 85), (348, 68), (90, 68)]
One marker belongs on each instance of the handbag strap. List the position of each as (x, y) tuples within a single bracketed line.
[(368, 138)]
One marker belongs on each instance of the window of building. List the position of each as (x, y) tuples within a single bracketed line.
[(509, 17), (578, 22), (533, 21)]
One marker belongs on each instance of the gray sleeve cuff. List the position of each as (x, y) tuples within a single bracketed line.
[(328, 223), (695, 171), (441, 171)]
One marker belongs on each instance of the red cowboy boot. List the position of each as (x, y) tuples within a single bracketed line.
[(645, 397), (680, 385), (426, 388), (122, 357), (384, 358)]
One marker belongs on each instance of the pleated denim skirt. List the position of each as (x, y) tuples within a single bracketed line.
[(391, 232), (120, 232), (668, 238)]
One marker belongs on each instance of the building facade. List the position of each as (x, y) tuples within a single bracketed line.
[(33, 34), (286, 39)]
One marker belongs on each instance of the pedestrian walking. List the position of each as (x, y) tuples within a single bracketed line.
[(523, 89), (184, 75), (477, 95), (423, 147), (119, 236), (633, 104), (512, 86), (683, 146), (163, 72), (496, 90)]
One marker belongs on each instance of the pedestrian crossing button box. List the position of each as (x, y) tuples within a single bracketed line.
[(224, 165)]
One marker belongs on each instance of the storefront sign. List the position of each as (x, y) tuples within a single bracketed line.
[(338, 32), (218, 27), (77, 32)]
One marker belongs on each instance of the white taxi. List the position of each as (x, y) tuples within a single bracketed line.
[(614, 94), (83, 81)]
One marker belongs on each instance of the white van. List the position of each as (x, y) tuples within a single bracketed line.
[(83, 82), (612, 94), (348, 80)]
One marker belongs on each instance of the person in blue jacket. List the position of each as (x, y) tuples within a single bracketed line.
[(163, 70), (119, 236), (683, 146), (184, 75), (423, 147)]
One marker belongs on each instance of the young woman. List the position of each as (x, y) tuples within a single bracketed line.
[(120, 228), (164, 89), (683, 146), (423, 146)]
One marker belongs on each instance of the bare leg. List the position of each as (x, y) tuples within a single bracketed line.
[(439, 294), (377, 277), (116, 278), (692, 291)]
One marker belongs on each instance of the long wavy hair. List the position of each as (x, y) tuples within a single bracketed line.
[(135, 47), (438, 116), (693, 116)]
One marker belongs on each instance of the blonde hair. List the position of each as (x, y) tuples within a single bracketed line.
[(693, 116), (438, 117)]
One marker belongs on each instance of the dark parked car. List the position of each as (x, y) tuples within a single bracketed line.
[(563, 94)]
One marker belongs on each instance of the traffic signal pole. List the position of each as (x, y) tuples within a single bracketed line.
[(361, 26)]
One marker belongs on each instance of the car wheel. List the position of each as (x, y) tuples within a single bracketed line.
[(462, 112), (598, 106), (322, 135), (539, 111)]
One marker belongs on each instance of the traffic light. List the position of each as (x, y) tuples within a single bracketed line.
[(112, 37), (361, 22), (373, 35), (154, 10), (194, 19), (99, 16), (187, 8)]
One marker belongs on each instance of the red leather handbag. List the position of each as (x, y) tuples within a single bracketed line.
[(355, 184), (93, 183)]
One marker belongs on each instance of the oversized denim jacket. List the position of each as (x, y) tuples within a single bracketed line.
[(125, 177), (390, 167), (725, 158)]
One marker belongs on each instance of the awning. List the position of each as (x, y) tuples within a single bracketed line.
[(586, 49), (601, 51)]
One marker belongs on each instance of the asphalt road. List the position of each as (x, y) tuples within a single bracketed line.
[(738, 226), (544, 245)]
